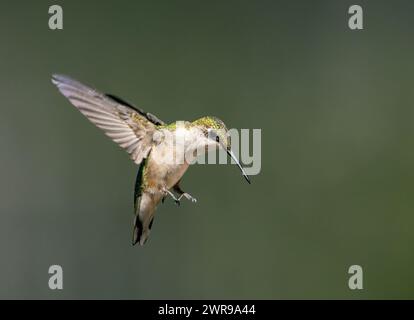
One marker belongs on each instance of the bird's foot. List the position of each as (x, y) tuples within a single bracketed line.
[(168, 192), (188, 197)]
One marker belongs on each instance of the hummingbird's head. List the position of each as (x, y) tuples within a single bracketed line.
[(217, 135)]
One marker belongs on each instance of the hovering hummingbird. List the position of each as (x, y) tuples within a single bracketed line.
[(141, 135)]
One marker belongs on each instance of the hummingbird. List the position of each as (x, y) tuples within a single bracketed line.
[(143, 136)]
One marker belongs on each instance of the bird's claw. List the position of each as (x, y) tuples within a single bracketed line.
[(189, 197), (178, 200)]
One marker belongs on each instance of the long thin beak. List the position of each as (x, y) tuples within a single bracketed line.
[(231, 154)]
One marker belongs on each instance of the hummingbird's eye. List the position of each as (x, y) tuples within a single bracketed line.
[(217, 138)]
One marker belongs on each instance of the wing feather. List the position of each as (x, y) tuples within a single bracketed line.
[(125, 124)]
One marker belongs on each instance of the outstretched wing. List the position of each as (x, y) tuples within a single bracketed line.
[(128, 126)]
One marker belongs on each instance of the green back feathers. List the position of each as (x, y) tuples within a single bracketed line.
[(170, 126), (204, 123), (210, 123)]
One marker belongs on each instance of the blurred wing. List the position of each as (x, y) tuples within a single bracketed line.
[(128, 126)]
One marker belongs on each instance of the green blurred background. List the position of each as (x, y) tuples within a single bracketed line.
[(336, 111)]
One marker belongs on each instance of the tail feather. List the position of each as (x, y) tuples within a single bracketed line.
[(138, 221), (138, 227), (145, 204), (144, 218)]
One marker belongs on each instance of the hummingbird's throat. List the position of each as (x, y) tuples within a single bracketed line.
[(186, 145)]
